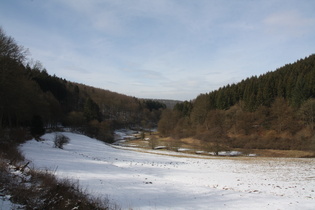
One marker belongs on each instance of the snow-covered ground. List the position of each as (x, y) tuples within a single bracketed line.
[(140, 180), (6, 204)]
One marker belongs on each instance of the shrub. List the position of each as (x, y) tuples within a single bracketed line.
[(153, 142), (61, 140), (9, 140), (142, 135)]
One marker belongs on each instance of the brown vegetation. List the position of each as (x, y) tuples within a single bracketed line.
[(273, 111), (276, 127), (193, 145)]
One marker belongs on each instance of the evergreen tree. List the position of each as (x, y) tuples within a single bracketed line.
[(300, 92), (91, 110), (37, 128)]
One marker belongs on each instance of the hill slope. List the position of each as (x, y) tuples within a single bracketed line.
[(148, 181), (293, 82), (272, 111), (30, 97)]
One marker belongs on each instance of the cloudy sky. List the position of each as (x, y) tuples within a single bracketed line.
[(170, 49)]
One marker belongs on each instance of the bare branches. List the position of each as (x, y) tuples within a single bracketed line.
[(10, 49)]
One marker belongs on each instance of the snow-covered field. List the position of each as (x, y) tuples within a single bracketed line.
[(140, 180)]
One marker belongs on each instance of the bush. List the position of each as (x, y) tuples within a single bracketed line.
[(61, 140), (9, 141)]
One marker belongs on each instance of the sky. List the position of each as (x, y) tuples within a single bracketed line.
[(164, 49)]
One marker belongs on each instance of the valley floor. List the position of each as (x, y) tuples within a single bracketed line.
[(138, 180)]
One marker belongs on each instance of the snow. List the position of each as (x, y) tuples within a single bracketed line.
[(230, 153), (5, 203), (124, 134), (140, 180), (183, 149), (5, 199), (160, 147)]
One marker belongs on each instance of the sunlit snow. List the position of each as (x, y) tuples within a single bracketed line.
[(138, 180)]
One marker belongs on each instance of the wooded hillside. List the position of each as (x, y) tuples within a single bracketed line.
[(275, 110), (272, 111), (31, 98)]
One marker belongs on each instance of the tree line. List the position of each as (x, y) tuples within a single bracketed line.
[(273, 111), (31, 98)]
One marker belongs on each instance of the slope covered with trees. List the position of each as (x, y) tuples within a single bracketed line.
[(32, 99), (273, 111)]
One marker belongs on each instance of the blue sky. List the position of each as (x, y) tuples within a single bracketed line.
[(168, 49)]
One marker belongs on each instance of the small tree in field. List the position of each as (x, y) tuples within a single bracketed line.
[(142, 135), (60, 140), (153, 142)]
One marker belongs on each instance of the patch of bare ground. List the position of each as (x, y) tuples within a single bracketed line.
[(283, 153), (193, 145)]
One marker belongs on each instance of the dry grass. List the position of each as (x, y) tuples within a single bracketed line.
[(283, 153), (195, 144)]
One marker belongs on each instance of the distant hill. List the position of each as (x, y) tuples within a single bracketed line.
[(293, 82), (168, 102)]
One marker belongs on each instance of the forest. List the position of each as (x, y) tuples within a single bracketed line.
[(31, 99), (275, 110)]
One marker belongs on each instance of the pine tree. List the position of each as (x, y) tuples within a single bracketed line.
[(37, 128), (300, 93)]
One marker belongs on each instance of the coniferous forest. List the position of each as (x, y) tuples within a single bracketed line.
[(271, 111)]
